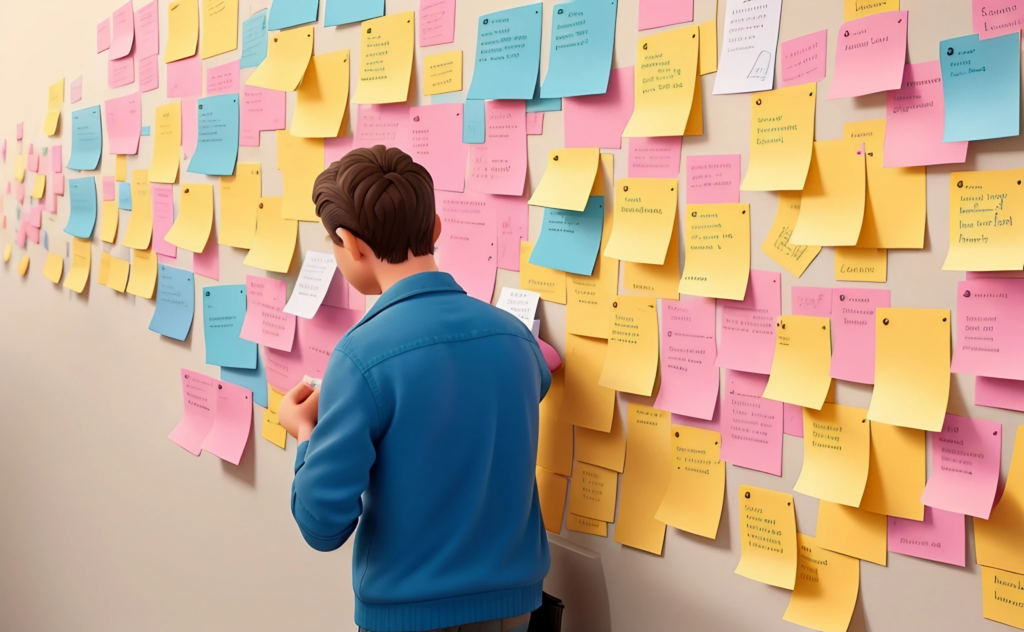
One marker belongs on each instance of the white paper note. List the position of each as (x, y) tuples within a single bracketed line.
[(749, 46), (311, 287), (520, 303)]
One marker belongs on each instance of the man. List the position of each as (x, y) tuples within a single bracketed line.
[(425, 429)]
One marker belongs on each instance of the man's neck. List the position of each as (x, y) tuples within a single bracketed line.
[(391, 273)]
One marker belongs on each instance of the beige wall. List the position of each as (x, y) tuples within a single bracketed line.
[(107, 525)]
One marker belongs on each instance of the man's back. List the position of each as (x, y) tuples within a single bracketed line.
[(430, 406)]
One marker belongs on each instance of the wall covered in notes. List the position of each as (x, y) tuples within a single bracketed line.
[(126, 297)]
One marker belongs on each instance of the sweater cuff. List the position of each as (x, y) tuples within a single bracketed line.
[(300, 455)]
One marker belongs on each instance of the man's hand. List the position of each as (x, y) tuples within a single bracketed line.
[(298, 411)]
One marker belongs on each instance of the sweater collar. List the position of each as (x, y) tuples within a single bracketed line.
[(420, 283)]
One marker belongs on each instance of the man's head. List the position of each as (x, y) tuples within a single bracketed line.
[(378, 207)]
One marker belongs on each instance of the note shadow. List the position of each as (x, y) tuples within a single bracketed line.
[(245, 471), (857, 622)]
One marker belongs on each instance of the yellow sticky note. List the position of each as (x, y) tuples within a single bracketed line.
[(568, 179), (274, 243), (717, 256), (81, 258), (588, 298), (837, 445), (631, 363), (1002, 597), (142, 281), (108, 221), (551, 488), (644, 481), (650, 279), (273, 431), (288, 54), (666, 74), (20, 165), (442, 73), (166, 144), (182, 30), (826, 588), (781, 138), (239, 200), (274, 398), (385, 59), (39, 186), (54, 268), (592, 493), (587, 404), (895, 206), (793, 258), (803, 354), (101, 276), (7, 252), (695, 124), (321, 100), (117, 274), (852, 531), (607, 449), (50, 122), (53, 103), (708, 62), (220, 27), (23, 264), (868, 265), (832, 205), (139, 232), (191, 230), (550, 284), (768, 552), (554, 441), (982, 233), (911, 368), (121, 168), (896, 472), (998, 540), (853, 9), (586, 525), (696, 492), (645, 212), (300, 161)]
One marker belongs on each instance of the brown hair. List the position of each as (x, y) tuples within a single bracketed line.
[(381, 196)]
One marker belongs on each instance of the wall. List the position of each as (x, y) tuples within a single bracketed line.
[(107, 525)]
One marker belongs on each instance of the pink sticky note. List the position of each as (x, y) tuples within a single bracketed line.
[(498, 165), (712, 179), (50, 197), (341, 294), (436, 132), (916, 121), (793, 420), (149, 73), (223, 79), (386, 125), (513, 227), (811, 301), (315, 340), (437, 22), (654, 157), (689, 377), (265, 321), (162, 203), (989, 340), (870, 55), (232, 421), (262, 110), (656, 13), (185, 77), (600, 119), (853, 333), (3, 152), (124, 124), (147, 30), (109, 188), (19, 131), (200, 394), (534, 123), (57, 159), (940, 537), (123, 25), (121, 71), (58, 184), (965, 466), (33, 163), (103, 36), (803, 59), (19, 192), (715, 423), (35, 216), (747, 341), (998, 393), (468, 247), (207, 262), (189, 125), (336, 148), (76, 90), (751, 425), (993, 18)]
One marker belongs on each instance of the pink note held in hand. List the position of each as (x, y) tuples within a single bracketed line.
[(713, 179), (436, 132), (655, 157), (870, 55), (803, 59), (437, 22), (965, 466), (124, 124), (498, 165), (657, 13), (232, 421), (751, 425), (993, 18), (200, 394), (747, 341), (915, 121), (989, 339), (689, 377), (600, 119), (468, 247), (940, 537), (265, 321), (262, 111), (853, 333)]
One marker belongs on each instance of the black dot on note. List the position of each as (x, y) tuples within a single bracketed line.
[(746, 495)]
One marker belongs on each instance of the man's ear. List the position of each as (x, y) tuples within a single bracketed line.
[(350, 243), (437, 227)]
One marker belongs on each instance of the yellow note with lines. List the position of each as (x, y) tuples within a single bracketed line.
[(832, 205), (717, 255), (568, 179), (288, 55), (586, 525), (139, 232), (108, 221), (220, 27), (385, 59), (554, 440), (182, 30), (54, 268), (696, 492), (587, 404), (793, 258), (166, 144), (442, 73), (550, 284), (781, 138), (768, 552), (589, 298), (837, 446), (651, 279), (607, 449), (53, 103), (896, 472), (826, 588), (81, 258), (644, 480), (867, 265), (666, 76), (645, 211), (853, 9), (191, 230), (274, 244), (999, 541), (117, 274), (300, 161), (983, 235), (912, 360), (551, 488), (322, 99), (852, 531), (1002, 597), (631, 363), (239, 200), (803, 355), (592, 492), (142, 281)]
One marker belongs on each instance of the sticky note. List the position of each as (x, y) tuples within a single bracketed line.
[(200, 409), (852, 531), (649, 456), (253, 379), (442, 72), (795, 259), (223, 79), (803, 59), (469, 249), (696, 491), (599, 120), (54, 100), (551, 490), (940, 537), (994, 18), (751, 67), (497, 74), (767, 558), (717, 257), (836, 454), (568, 179), (853, 9), (586, 525), (191, 229), (498, 165), (870, 54), (140, 225), (262, 110), (103, 36), (985, 342), (825, 593), (645, 210), (520, 303), (713, 179), (117, 274), (548, 282), (338, 12), (438, 146), (802, 356), (387, 124), (230, 431), (748, 328), (315, 340), (239, 201), (632, 360), (265, 321), (54, 268), (965, 466), (982, 233), (299, 160), (896, 472), (185, 78), (81, 258), (751, 425), (580, 56), (274, 244), (39, 186), (217, 149), (570, 241), (689, 377), (916, 121), (7, 252), (554, 440), (123, 27), (124, 124), (656, 280), (971, 67), (272, 430), (657, 157), (832, 204), (385, 59), (83, 208), (657, 13), (175, 303), (661, 107), (868, 265), (781, 139), (124, 196), (586, 403), (182, 30), (288, 55), (121, 72), (1001, 594), (592, 494), (220, 27), (86, 139), (437, 22), (254, 40), (288, 13), (853, 333), (223, 312), (322, 99), (166, 144), (144, 269), (997, 540), (999, 393)]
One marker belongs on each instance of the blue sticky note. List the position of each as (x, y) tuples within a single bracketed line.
[(83, 207), (86, 139), (507, 54), (175, 302), (253, 379), (254, 40), (349, 11), (582, 40), (145, 130), (474, 122), (223, 313), (537, 104), (217, 149), (570, 240), (288, 13), (124, 196), (981, 84)]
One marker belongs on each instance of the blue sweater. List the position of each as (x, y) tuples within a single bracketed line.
[(427, 437)]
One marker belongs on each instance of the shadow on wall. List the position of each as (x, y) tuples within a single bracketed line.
[(577, 578)]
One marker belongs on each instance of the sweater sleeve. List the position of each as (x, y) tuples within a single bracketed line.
[(332, 469)]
